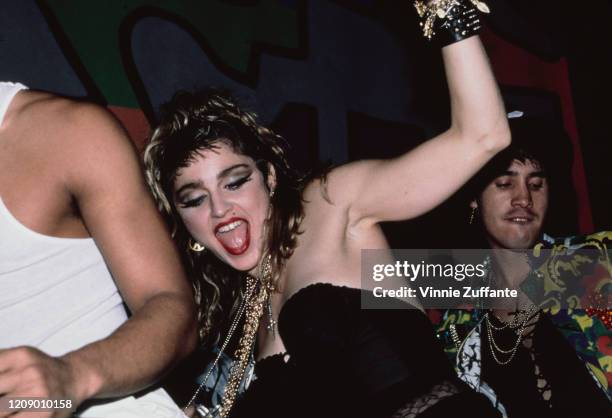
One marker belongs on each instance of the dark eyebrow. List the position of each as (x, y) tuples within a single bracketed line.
[(540, 174), (228, 170), (511, 173)]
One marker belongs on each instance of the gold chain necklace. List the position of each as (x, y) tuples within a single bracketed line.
[(246, 344), (258, 292), (520, 317), (518, 323), (250, 289), (521, 324), (266, 273)]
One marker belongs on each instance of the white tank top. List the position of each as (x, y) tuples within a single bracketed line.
[(56, 294)]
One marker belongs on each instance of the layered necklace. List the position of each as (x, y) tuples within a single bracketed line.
[(257, 295), (518, 324)]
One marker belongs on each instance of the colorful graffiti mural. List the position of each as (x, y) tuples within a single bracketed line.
[(339, 79)]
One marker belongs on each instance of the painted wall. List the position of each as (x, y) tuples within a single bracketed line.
[(339, 79)]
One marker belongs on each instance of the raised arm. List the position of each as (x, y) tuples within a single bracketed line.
[(414, 183)]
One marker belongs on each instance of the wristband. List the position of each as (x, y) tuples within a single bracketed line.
[(450, 21)]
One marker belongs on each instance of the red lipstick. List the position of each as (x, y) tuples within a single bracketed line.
[(234, 235)]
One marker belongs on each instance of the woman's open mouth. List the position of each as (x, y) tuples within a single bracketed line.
[(233, 235)]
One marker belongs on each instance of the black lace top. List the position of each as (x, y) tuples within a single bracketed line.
[(347, 361)]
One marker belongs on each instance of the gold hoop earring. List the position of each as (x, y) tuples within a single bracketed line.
[(472, 215), (196, 246)]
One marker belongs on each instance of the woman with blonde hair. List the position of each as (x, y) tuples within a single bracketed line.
[(275, 259)]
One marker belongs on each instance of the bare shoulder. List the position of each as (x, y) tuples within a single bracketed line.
[(83, 141), (59, 135), (53, 123), (69, 120), (57, 153)]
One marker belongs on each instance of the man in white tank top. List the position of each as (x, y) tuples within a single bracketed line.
[(79, 236)]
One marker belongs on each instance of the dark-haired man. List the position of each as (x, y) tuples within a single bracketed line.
[(529, 362), (513, 206)]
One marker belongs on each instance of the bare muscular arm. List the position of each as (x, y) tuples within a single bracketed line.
[(99, 169)]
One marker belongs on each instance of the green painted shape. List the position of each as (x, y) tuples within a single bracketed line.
[(92, 27)]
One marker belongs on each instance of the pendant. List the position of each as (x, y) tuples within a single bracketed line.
[(271, 327), (482, 6)]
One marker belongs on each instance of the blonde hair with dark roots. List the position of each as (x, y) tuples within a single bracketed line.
[(194, 122)]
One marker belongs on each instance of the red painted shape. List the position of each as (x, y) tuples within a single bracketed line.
[(135, 123), (515, 66)]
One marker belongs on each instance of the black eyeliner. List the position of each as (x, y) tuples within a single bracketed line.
[(192, 202), (236, 184)]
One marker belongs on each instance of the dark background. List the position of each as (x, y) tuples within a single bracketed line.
[(341, 80)]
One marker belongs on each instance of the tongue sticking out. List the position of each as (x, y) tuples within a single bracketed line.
[(235, 241)]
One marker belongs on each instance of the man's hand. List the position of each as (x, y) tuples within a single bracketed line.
[(26, 372)]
